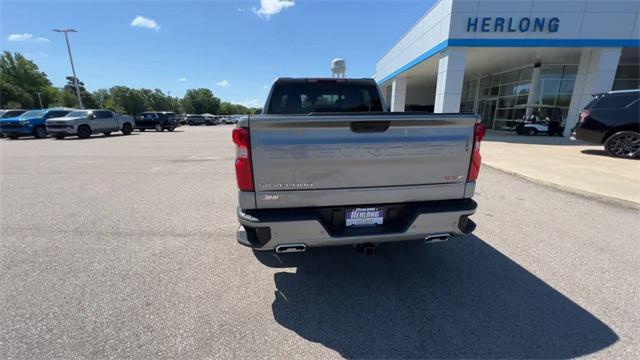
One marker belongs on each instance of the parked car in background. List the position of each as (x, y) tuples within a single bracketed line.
[(11, 113), (326, 166), (193, 119), (210, 119), (612, 119), (30, 123), (86, 122), (157, 120), (228, 119)]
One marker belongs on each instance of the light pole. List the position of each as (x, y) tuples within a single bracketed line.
[(40, 99), (73, 69)]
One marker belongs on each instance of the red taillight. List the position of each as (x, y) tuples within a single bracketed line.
[(244, 173), (476, 159), (584, 114)]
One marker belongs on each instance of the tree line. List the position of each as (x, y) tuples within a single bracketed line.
[(24, 86)]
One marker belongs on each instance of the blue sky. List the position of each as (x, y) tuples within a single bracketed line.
[(235, 48)]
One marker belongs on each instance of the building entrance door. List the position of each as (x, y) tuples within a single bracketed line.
[(488, 112)]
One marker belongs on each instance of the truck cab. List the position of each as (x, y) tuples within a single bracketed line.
[(30, 123)]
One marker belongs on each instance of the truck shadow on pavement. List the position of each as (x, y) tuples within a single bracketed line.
[(461, 299)]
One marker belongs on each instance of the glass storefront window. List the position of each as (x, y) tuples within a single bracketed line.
[(566, 86), (522, 88), (550, 86), (466, 106), (509, 77), (550, 71), (627, 77), (563, 100), (503, 95), (522, 99), (525, 74), (506, 90)]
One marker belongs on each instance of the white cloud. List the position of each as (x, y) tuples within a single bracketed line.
[(182, 79), (223, 83), (239, 9), (141, 21), (27, 38), (272, 7)]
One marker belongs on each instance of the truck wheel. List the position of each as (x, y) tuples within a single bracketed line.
[(107, 133), (624, 144), (159, 128), (127, 129), (84, 132), (171, 129), (40, 132), (532, 131), (12, 137), (59, 137)]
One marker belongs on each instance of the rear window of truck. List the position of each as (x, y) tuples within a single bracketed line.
[(303, 97)]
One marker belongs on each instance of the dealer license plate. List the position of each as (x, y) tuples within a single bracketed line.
[(364, 217)]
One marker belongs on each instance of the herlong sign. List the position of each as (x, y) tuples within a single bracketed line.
[(510, 24)]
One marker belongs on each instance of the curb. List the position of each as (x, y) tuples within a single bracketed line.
[(586, 194)]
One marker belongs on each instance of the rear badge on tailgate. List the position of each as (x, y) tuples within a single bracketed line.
[(452, 177), (364, 217)]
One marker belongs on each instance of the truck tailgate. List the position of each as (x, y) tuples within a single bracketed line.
[(319, 160)]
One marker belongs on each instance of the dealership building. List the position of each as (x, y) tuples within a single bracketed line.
[(505, 59)]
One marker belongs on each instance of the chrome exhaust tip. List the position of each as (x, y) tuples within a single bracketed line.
[(434, 238), (291, 248)]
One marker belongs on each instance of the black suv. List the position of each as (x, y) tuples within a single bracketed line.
[(612, 119), (157, 120)]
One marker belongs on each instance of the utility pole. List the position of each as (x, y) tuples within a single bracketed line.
[(73, 69), (40, 99)]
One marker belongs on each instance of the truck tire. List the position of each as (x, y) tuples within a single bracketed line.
[(623, 144), (159, 128), (171, 129), (13, 137), (532, 131), (39, 132), (127, 129), (84, 132)]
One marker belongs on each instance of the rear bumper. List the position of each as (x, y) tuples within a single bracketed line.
[(588, 135), (266, 229)]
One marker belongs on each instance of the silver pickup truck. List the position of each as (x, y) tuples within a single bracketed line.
[(325, 165), (86, 122)]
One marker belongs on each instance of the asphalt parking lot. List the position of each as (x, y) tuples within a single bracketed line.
[(124, 246)]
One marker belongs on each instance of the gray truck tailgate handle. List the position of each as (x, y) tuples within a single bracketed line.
[(370, 126)]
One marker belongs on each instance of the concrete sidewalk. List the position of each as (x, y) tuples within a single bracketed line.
[(573, 166)]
